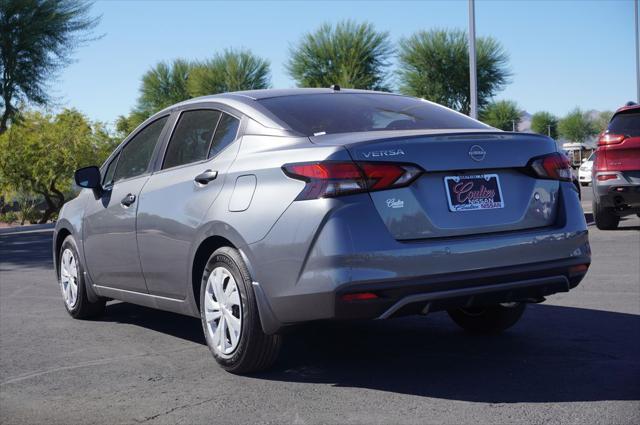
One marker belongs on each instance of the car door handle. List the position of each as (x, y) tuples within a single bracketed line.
[(128, 200), (206, 176)]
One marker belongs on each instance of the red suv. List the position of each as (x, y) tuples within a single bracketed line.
[(616, 171)]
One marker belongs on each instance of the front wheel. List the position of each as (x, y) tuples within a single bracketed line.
[(229, 316), (584, 184), (488, 319), (72, 283)]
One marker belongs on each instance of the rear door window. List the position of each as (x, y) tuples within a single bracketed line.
[(135, 156), (627, 123), (226, 132), (192, 137)]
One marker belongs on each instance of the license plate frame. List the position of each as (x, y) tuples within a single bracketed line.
[(477, 192)]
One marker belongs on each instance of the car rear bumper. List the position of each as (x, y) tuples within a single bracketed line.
[(530, 282), (622, 193), (321, 250)]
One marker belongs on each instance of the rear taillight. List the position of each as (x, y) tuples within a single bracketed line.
[(328, 179), (554, 166), (607, 139), (605, 177)]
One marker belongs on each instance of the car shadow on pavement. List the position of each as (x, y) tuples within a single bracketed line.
[(625, 226), (555, 354), (177, 325)]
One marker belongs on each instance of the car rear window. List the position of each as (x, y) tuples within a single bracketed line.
[(331, 113), (627, 123)]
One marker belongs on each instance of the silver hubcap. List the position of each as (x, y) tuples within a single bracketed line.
[(223, 311), (69, 278)]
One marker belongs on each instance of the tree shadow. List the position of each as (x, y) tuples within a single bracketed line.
[(26, 250)]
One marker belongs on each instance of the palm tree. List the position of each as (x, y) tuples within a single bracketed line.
[(434, 65), (348, 54)]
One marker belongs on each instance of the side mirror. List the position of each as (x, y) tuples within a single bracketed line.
[(88, 177)]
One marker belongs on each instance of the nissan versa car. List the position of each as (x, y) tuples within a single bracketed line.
[(258, 210), (616, 171)]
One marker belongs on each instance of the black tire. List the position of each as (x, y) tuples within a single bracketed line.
[(488, 319), (584, 184), (255, 350), (83, 307), (605, 218)]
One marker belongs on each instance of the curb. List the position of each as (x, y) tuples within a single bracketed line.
[(27, 229)]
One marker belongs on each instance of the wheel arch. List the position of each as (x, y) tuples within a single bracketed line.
[(217, 236), (60, 236), (200, 258)]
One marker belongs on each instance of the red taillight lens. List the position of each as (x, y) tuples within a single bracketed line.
[(554, 166), (331, 178), (607, 139), (359, 296)]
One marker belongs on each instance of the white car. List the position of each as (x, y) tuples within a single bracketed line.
[(584, 173)]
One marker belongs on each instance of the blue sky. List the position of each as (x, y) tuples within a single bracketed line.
[(563, 53)]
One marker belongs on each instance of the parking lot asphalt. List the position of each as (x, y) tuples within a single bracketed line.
[(574, 359)]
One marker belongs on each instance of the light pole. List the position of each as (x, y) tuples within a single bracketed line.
[(473, 83)]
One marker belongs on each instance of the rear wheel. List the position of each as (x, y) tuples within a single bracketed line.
[(229, 316), (488, 319), (605, 218), (72, 283)]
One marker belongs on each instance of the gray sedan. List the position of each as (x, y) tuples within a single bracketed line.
[(259, 210)]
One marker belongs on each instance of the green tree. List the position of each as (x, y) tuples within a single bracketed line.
[(503, 114), (232, 70), (577, 126), (434, 65), (545, 123), (348, 54), (169, 83), (601, 121), (164, 85), (39, 154), (37, 38), (125, 124)]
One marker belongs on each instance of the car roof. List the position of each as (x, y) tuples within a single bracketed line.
[(270, 93), (628, 108), (247, 103)]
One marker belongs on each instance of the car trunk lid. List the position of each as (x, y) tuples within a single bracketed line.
[(492, 161)]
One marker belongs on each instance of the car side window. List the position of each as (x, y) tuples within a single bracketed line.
[(192, 137), (226, 133), (107, 179), (135, 156)]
